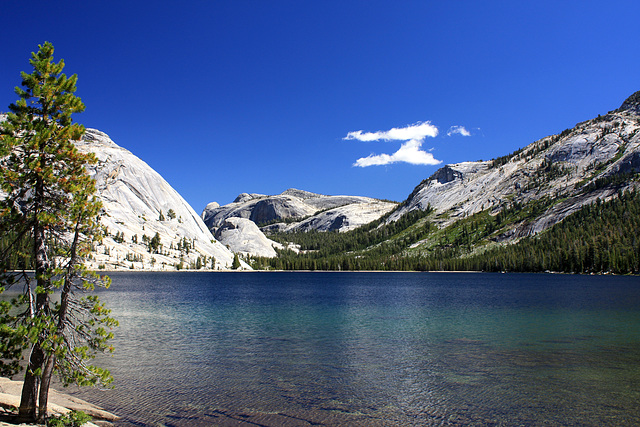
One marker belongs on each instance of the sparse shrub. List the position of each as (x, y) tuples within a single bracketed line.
[(71, 419)]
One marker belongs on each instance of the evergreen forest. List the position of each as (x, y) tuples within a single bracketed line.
[(603, 237)]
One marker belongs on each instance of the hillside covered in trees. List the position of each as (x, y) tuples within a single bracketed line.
[(567, 202), (599, 238)]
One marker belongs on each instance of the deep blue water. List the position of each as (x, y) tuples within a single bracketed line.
[(372, 349)]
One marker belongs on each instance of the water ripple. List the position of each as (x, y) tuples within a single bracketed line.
[(371, 350)]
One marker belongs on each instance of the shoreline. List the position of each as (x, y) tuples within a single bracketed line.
[(202, 270), (108, 271), (59, 404)]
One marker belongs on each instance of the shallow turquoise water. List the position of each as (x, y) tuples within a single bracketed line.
[(374, 349)]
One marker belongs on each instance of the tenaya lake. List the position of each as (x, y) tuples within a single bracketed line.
[(373, 349)]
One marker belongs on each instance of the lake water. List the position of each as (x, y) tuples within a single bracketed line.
[(373, 349)]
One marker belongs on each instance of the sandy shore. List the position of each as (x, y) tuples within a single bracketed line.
[(59, 403)]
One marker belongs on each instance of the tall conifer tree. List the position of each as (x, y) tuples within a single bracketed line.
[(50, 204)]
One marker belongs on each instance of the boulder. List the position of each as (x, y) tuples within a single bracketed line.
[(243, 236)]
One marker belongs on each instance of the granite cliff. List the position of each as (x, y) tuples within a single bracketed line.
[(558, 174), (298, 210), (138, 204), (568, 170), (244, 237), (293, 210)]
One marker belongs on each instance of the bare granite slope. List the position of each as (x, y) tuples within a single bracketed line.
[(244, 237), (571, 168), (138, 203), (295, 210), (292, 210)]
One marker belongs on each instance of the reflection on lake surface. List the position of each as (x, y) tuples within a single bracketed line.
[(373, 349)]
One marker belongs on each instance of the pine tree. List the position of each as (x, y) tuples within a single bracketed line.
[(236, 262), (154, 243), (50, 202)]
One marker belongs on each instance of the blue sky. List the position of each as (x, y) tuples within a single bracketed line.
[(225, 97)]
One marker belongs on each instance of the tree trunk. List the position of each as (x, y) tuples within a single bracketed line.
[(43, 399), (47, 372), (28, 400)]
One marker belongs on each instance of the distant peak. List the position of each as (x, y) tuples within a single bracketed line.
[(301, 194), (245, 197), (95, 137), (632, 103)]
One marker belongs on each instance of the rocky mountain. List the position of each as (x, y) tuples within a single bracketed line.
[(140, 205), (235, 224), (295, 210), (567, 202), (550, 179), (565, 171), (148, 224), (470, 205), (243, 236), (505, 200), (342, 218)]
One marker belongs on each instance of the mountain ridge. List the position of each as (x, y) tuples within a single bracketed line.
[(472, 208), (236, 224), (551, 178), (556, 166), (295, 209), (139, 204)]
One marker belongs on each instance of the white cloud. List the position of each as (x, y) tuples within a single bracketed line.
[(409, 152), (418, 131), (460, 130)]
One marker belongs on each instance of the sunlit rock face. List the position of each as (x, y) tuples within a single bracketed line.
[(297, 210), (293, 210), (137, 204), (569, 167), (243, 236), (341, 219)]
